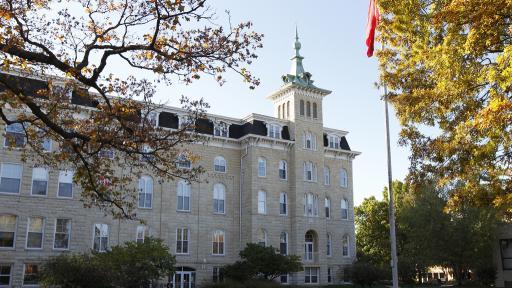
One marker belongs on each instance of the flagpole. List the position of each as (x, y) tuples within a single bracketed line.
[(392, 231)]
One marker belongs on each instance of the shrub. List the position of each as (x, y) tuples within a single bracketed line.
[(364, 273)]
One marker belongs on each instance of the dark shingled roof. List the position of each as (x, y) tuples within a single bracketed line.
[(29, 87)]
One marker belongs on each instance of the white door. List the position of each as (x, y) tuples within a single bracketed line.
[(184, 279)]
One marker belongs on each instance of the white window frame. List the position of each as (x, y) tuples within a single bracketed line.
[(308, 272), (10, 265), (310, 171), (327, 206), (146, 187), (219, 196), (221, 129), (344, 209), (185, 237), (262, 167), (329, 245), (64, 174), (101, 236), (283, 202), (25, 273), (220, 164), (274, 130), (55, 234), (262, 202), (183, 162), (333, 141), (142, 230), (28, 232), (265, 237), (283, 166), (3, 168), (15, 232), (345, 244), (34, 169), (217, 235), (183, 190), (327, 176), (13, 131), (285, 242), (343, 178)]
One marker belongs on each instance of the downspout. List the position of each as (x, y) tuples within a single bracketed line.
[(240, 196)]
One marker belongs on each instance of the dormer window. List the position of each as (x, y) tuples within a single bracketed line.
[(152, 118), (274, 131), (186, 121), (334, 141), (221, 129)]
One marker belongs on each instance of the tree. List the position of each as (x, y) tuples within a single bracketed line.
[(447, 65), (262, 262), (80, 41), (130, 265)]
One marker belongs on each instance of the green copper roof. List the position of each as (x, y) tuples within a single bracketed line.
[(297, 74)]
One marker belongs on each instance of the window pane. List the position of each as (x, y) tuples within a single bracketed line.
[(39, 187), (65, 190), (5, 274), (31, 276), (9, 185), (7, 230)]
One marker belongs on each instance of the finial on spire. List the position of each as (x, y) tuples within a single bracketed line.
[(296, 45)]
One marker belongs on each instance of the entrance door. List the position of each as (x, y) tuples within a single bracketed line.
[(184, 279)]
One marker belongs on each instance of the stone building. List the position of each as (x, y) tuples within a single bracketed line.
[(282, 180)]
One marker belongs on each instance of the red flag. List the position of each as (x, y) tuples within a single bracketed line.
[(373, 20)]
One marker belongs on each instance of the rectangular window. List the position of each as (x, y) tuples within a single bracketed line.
[(221, 129), (5, 275), (329, 275), (506, 253), (142, 233), (283, 279), (10, 178), (311, 275), (100, 243), (274, 131), (106, 153), (182, 240), (65, 184), (283, 201), (14, 136), (31, 274), (62, 234), (7, 231), (218, 243), (262, 167), (262, 202), (35, 230), (218, 274), (39, 181)]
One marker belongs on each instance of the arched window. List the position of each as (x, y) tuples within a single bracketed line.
[(329, 245), (262, 167), (327, 176), (309, 245), (283, 243), (262, 237), (218, 242), (288, 110), (315, 113), (7, 231), (262, 202), (344, 209), (301, 107), (283, 170), (219, 164), (327, 207), (311, 204), (219, 198), (283, 203), (183, 193), (345, 246), (145, 192), (308, 141), (309, 171), (308, 109), (343, 178)]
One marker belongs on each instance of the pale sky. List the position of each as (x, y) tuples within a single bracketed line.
[(332, 35)]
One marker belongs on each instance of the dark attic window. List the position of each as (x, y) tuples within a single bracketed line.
[(27, 86), (168, 120)]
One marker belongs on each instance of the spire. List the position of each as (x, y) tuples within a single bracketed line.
[(297, 74), (297, 68)]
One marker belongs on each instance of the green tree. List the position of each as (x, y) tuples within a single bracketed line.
[(258, 261), (447, 67), (130, 265), (81, 42)]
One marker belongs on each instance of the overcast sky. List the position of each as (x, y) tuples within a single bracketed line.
[(332, 36)]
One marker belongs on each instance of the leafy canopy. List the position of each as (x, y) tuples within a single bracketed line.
[(447, 65), (80, 41)]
